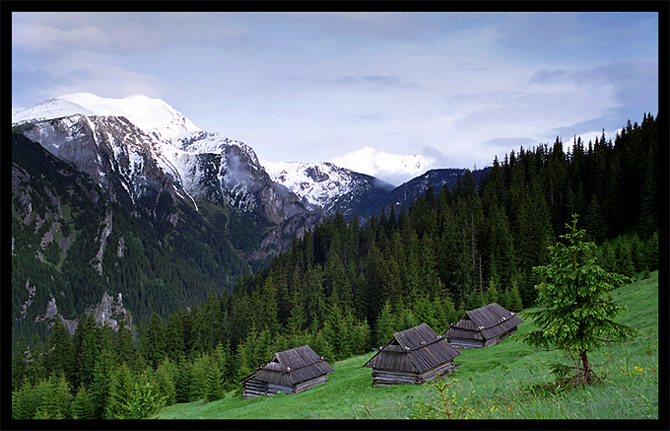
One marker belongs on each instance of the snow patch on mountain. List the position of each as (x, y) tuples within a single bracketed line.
[(325, 185), (154, 116), (394, 168), (317, 184), (52, 108)]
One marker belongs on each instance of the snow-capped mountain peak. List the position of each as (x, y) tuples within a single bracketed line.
[(394, 168), (154, 116), (52, 108), (323, 185)]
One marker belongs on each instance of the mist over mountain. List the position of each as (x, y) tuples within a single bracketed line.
[(393, 168)]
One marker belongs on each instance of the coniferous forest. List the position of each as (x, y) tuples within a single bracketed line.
[(347, 285)]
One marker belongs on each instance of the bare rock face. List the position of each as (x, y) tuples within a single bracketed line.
[(228, 172), (109, 311), (51, 314)]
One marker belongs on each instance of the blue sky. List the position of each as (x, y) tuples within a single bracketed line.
[(460, 87)]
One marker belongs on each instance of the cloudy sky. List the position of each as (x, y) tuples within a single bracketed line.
[(457, 87)]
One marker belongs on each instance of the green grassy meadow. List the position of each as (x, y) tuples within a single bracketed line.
[(510, 381)]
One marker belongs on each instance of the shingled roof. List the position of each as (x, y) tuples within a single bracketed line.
[(416, 349), (489, 321), (293, 366)]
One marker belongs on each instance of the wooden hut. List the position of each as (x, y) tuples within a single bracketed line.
[(482, 327), (413, 356), (291, 371)]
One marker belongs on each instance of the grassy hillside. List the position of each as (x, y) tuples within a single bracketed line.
[(509, 381)]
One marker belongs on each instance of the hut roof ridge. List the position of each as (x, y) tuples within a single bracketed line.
[(489, 315), (489, 321)]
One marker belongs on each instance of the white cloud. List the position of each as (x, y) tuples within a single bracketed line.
[(40, 37), (312, 87)]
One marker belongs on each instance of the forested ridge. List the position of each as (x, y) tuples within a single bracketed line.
[(345, 287)]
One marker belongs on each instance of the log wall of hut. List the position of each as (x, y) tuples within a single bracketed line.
[(303, 386), (257, 388), (396, 377), (253, 387)]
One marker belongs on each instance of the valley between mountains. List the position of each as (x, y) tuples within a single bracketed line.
[(128, 199)]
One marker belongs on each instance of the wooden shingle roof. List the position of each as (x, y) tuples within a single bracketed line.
[(293, 366), (416, 349), (489, 321)]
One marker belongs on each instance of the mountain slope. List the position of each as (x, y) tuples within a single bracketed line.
[(72, 246), (435, 178), (161, 222), (149, 176)]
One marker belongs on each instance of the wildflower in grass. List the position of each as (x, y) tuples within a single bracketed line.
[(443, 405)]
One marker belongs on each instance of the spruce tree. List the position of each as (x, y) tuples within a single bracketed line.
[(86, 350), (199, 377), (25, 401), (650, 252), (174, 331), (313, 292), (385, 324), (360, 338), (19, 362), (595, 221), (221, 355), (120, 392), (153, 341), (512, 298), (82, 405), (492, 293), (63, 397), (101, 385), (36, 371), (51, 404), (144, 399), (425, 312), (214, 382), (166, 375), (268, 307), (574, 316), (60, 351), (334, 328), (183, 380), (406, 319), (296, 319), (124, 347)]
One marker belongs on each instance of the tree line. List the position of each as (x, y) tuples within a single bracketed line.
[(345, 286)]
